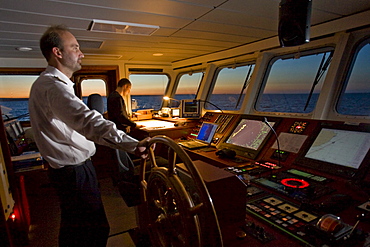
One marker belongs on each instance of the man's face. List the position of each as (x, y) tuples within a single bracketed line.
[(71, 54), (126, 89)]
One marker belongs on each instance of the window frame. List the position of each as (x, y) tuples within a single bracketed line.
[(362, 42), (253, 63), (151, 73), (178, 78), (288, 55)]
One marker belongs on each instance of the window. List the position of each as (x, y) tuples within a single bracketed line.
[(90, 86), (148, 90), (230, 87), (355, 98), (293, 82), (188, 85), (14, 94)]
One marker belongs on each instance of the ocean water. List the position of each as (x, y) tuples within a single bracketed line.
[(351, 103)]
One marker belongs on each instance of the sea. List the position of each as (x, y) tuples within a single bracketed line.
[(357, 104)]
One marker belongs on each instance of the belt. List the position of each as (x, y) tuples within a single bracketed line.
[(75, 165), (84, 162)]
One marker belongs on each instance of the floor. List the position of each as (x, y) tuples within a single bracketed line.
[(45, 213)]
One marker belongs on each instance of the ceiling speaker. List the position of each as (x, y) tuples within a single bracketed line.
[(294, 22)]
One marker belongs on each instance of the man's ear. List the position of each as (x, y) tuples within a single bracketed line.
[(57, 52)]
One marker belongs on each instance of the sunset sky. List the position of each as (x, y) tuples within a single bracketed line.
[(284, 80)]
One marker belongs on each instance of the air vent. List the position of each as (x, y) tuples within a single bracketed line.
[(90, 44), (102, 56), (145, 70), (122, 27)]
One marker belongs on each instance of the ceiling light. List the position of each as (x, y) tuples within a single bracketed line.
[(158, 54), (23, 48), (122, 27)]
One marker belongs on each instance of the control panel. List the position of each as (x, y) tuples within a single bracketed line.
[(296, 195), (223, 120)]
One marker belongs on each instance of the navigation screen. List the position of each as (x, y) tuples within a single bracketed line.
[(206, 132), (249, 134), (341, 147)]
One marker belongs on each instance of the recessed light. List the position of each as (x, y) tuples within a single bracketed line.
[(23, 48), (158, 54)]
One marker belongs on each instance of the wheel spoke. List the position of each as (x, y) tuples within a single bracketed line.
[(179, 214)]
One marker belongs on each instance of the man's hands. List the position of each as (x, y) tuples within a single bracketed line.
[(142, 148)]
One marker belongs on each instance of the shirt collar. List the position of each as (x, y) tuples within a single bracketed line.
[(54, 72)]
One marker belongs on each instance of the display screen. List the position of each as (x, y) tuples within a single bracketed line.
[(341, 147), (249, 134), (206, 132), (191, 106)]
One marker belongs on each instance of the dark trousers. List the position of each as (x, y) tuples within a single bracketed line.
[(83, 219)]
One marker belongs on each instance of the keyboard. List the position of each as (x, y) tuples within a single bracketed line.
[(193, 144)]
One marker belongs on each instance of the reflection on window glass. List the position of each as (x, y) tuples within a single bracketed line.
[(148, 90), (294, 83), (92, 86), (188, 85), (355, 99), (230, 87), (14, 94)]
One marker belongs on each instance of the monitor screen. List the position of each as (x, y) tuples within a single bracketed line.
[(248, 137), (190, 108), (340, 147), (337, 150), (206, 132)]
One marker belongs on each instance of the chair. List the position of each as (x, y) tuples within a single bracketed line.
[(95, 102), (123, 172), (126, 179)]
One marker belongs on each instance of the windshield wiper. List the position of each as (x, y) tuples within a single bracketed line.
[(320, 72), (246, 82)]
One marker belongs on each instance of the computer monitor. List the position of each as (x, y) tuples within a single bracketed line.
[(340, 150), (190, 108), (207, 132), (249, 136)]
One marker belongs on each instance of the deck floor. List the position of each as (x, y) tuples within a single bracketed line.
[(45, 213)]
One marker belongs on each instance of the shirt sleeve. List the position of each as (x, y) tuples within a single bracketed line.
[(89, 123)]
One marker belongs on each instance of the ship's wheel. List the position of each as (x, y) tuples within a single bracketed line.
[(175, 214)]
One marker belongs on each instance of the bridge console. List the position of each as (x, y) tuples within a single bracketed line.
[(306, 181)]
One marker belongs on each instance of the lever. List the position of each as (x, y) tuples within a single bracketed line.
[(359, 217)]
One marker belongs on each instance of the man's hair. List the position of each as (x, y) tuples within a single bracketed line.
[(123, 82), (51, 38)]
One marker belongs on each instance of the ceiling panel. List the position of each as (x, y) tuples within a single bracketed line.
[(188, 28), (177, 9)]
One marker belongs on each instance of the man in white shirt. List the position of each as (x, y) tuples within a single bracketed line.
[(65, 130)]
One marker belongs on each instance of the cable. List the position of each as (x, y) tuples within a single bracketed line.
[(277, 139)]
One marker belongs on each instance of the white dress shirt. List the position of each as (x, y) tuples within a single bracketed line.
[(64, 128)]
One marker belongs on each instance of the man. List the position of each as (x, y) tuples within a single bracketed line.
[(65, 130), (117, 108)]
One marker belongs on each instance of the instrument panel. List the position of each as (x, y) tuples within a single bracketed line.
[(292, 199)]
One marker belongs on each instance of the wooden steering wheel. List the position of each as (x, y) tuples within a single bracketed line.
[(175, 213)]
